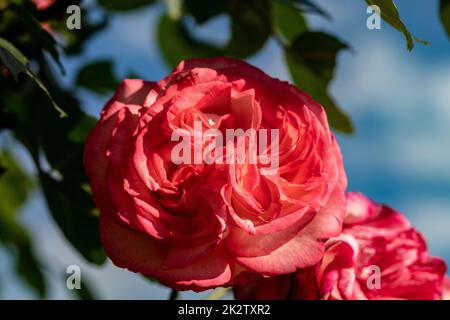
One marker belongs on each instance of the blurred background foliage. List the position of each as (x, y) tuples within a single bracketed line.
[(45, 116)]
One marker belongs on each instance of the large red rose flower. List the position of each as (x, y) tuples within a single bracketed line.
[(198, 226), (378, 256)]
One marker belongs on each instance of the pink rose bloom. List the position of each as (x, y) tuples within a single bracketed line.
[(198, 226), (378, 256)]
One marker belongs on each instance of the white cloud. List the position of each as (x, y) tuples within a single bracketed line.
[(411, 99)]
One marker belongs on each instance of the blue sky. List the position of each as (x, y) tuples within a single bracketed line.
[(398, 100)]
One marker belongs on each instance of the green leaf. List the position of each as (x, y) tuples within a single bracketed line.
[(60, 142), (39, 35), (84, 293), (42, 132), (203, 10), (288, 22), (28, 267), (62, 113), (250, 27), (151, 280), (81, 131), (311, 61), (123, 5), (305, 79), (15, 186), (64, 150), (390, 14), (16, 240), (174, 295), (13, 59), (98, 76), (7, 121), (444, 10), (318, 51), (72, 211), (17, 63), (177, 44), (76, 40)]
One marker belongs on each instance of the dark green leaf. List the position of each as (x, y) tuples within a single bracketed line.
[(17, 63), (63, 151), (444, 10), (174, 295), (311, 61), (77, 222), (81, 131), (177, 44), (13, 59), (76, 40), (7, 121), (123, 5), (17, 241), (14, 188), (288, 23), (2, 170), (318, 51), (28, 267), (39, 34), (250, 27), (151, 280), (14, 185), (40, 129), (61, 112), (60, 142), (390, 14), (305, 79), (84, 293), (203, 10), (98, 76)]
